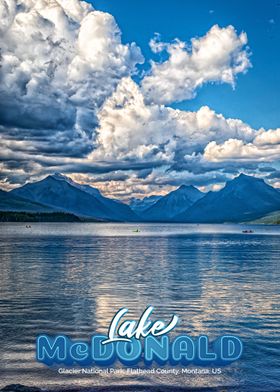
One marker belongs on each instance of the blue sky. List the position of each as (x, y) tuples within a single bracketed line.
[(256, 98)]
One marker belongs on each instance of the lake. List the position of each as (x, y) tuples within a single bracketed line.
[(72, 278)]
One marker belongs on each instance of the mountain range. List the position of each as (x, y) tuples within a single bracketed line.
[(172, 204), (242, 199), (245, 198), (60, 193), (140, 205)]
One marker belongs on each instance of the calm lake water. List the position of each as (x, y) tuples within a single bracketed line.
[(72, 278)]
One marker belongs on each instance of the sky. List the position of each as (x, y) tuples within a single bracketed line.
[(257, 94), (138, 98)]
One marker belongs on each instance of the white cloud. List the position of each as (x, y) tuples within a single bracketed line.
[(265, 147), (182, 143), (131, 129), (272, 136), (216, 57), (60, 60)]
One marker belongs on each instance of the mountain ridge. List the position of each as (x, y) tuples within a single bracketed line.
[(242, 199), (173, 203), (60, 192)]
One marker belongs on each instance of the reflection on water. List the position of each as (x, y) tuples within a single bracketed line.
[(72, 278)]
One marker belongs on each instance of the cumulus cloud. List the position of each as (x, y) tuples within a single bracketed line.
[(131, 129), (218, 56), (60, 60), (169, 141), (270, 137), (265, 147)]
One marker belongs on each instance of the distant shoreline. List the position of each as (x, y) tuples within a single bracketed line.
[(64, 217), (116, 388), (43, 217)]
